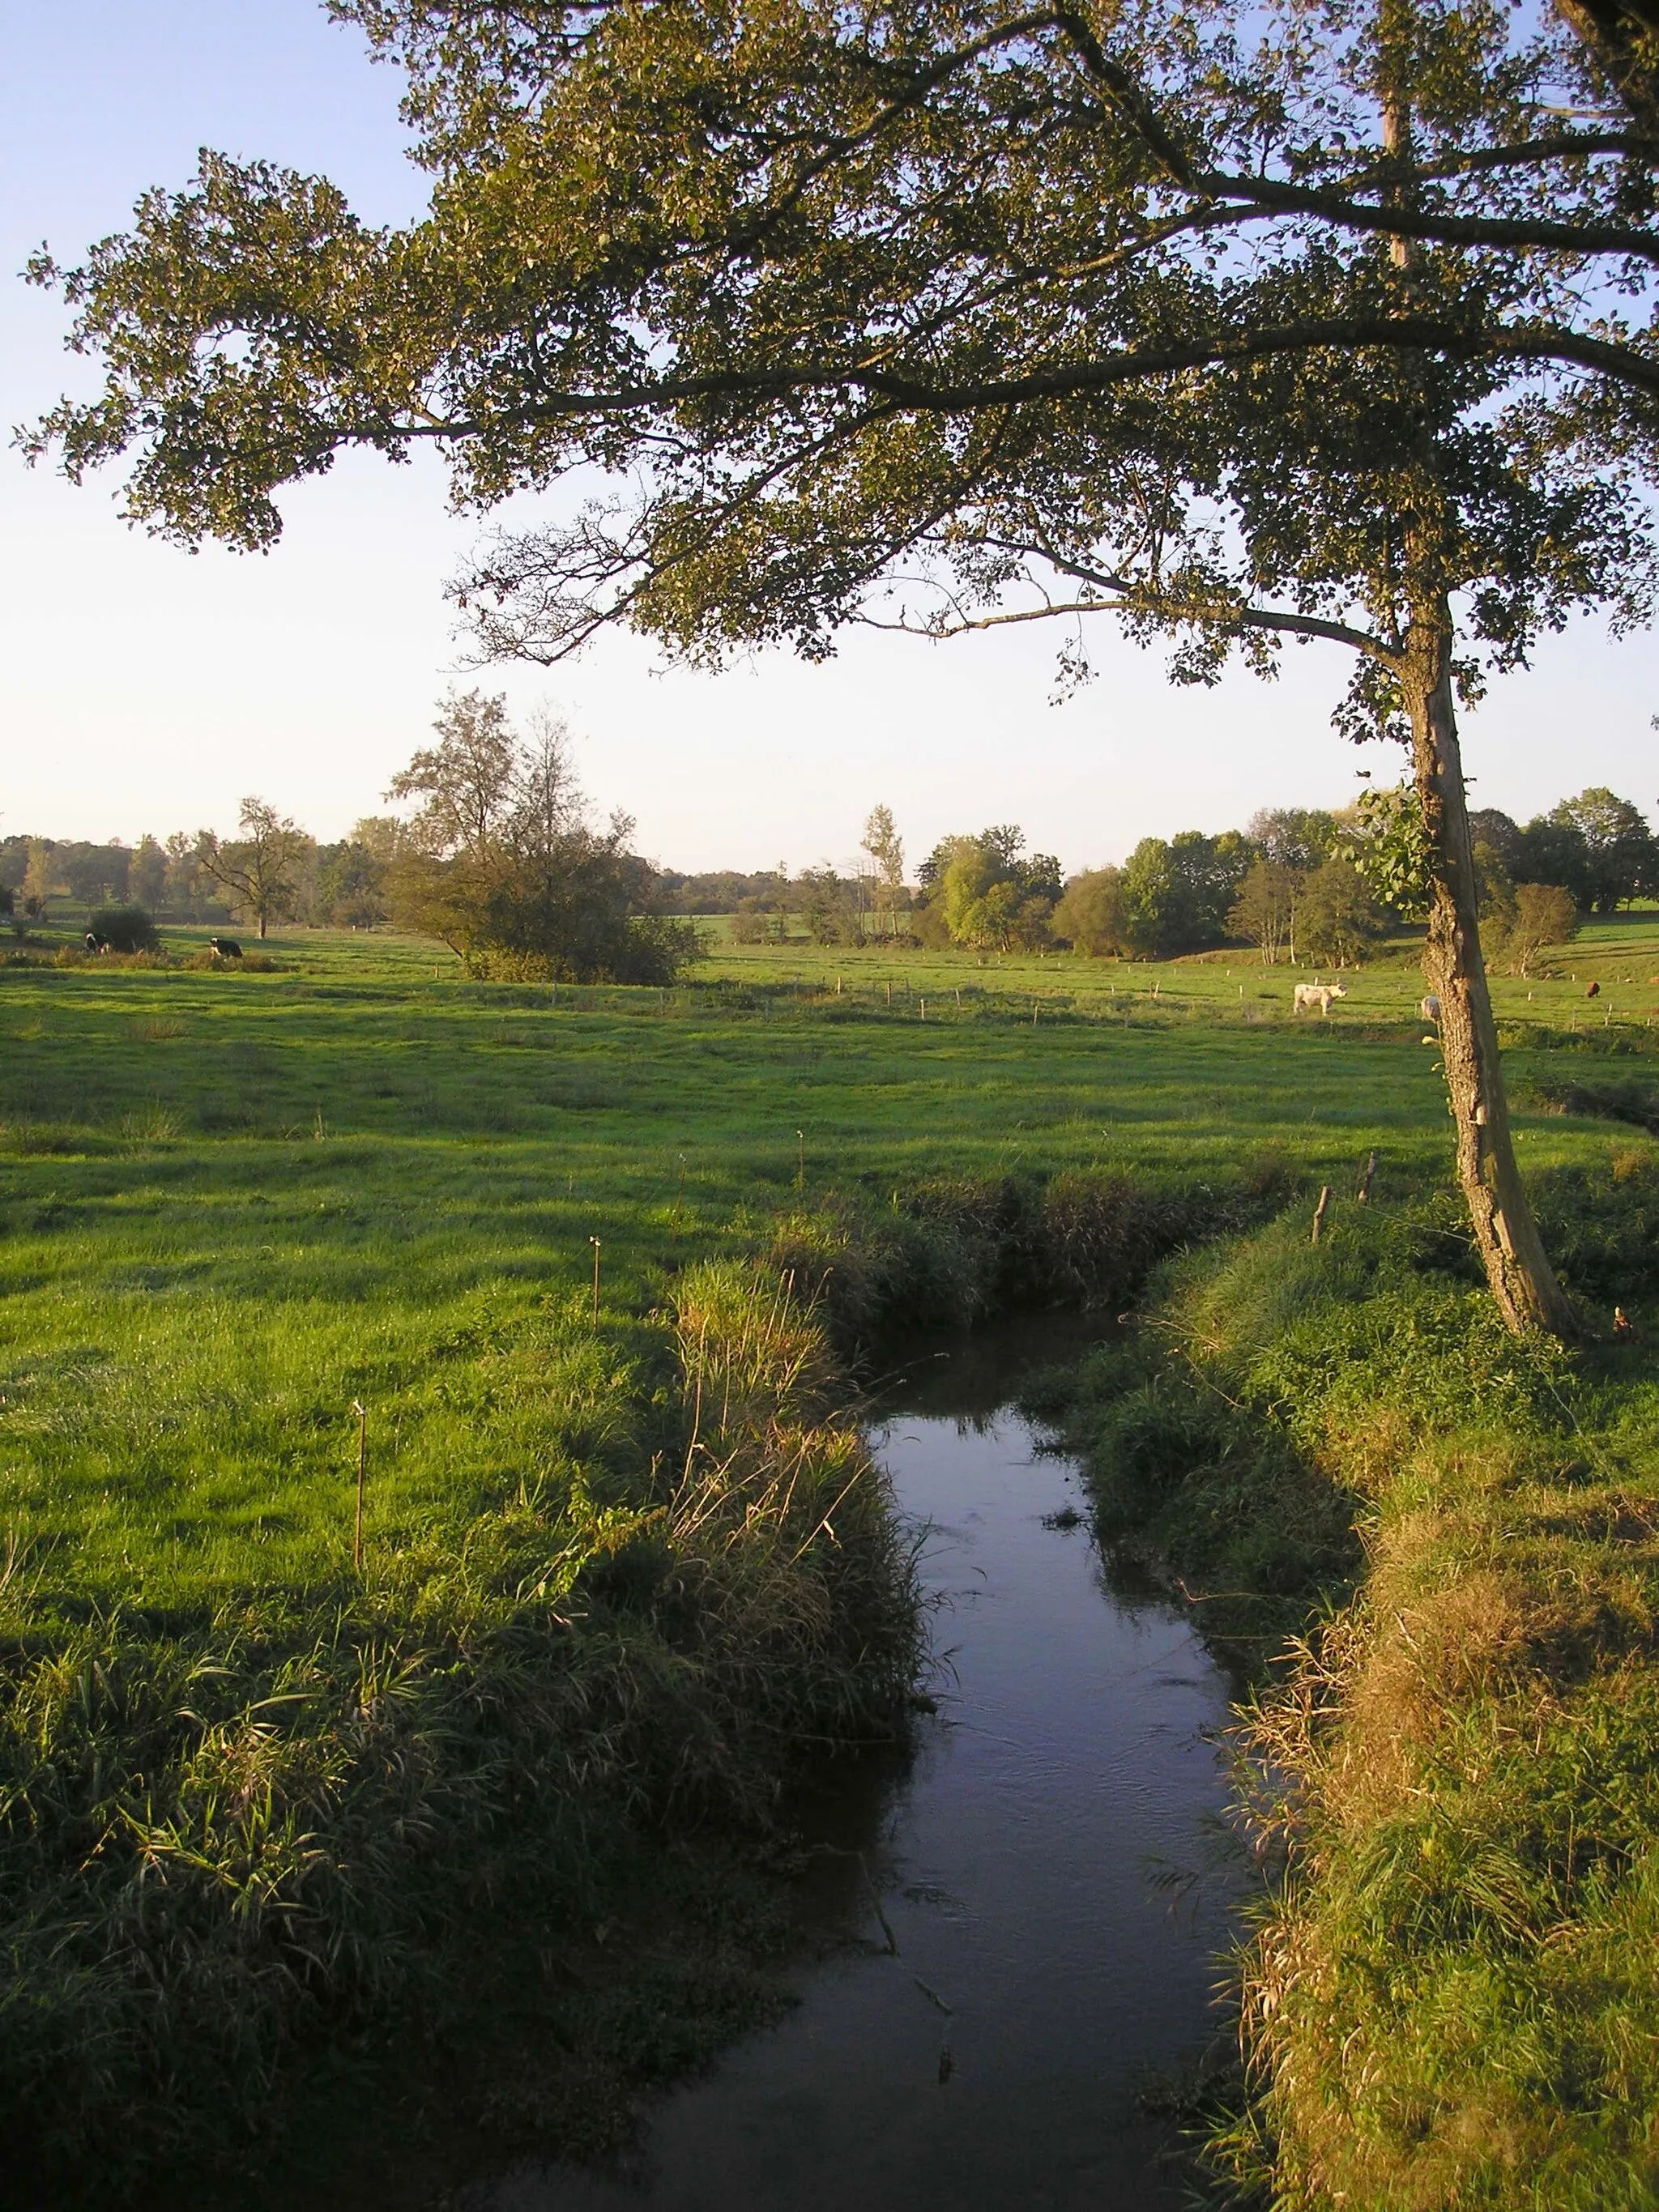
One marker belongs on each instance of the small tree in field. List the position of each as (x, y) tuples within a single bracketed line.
[(259, 871), (886, 848), (1337, 914), (1265, 909), (500, 857), (1544, 914)]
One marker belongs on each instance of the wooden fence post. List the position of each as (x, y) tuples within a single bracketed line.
[(362, 1412)]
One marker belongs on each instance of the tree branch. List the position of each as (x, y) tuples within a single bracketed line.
[(1384, 333), (1222, 612)]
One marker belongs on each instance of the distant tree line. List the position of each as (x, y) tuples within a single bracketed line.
[(837, 908), (342, 885), (499, 859), (1296, 882)]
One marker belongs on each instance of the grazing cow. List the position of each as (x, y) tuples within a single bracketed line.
[(96, 944), (1318, 994), (1431, 1008), (1593, 992), (224, 948)]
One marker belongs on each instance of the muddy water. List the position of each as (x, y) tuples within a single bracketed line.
[(1020, 1958)]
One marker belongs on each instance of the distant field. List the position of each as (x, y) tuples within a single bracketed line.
[(233, 1203)]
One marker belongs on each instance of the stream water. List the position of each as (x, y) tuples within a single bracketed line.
[(1027, 1954)]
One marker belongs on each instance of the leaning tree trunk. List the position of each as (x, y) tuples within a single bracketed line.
[(1505, 1234)]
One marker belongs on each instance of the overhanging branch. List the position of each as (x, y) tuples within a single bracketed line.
[(1222, 614)]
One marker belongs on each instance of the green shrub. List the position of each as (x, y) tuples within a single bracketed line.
[(124, 929)]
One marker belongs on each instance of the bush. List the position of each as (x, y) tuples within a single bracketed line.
[(123, 928), (651, 949), (1092, 916), (749, 926)]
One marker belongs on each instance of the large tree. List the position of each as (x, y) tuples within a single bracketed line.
[(1619, 843), (259, 871), (1330, 325)]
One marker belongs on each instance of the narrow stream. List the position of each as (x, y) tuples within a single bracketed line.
[(1047, 1962)]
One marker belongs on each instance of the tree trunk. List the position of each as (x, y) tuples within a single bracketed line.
[(1505, 1234)]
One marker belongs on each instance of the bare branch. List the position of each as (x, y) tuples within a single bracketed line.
[(1222, 613)]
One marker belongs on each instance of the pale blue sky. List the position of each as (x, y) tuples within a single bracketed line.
[(143, 689)]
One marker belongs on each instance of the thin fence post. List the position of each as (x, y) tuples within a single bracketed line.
[(800, 1159), (1364, 1190), (1319, 1211), (362, 1412), (594, 1242)]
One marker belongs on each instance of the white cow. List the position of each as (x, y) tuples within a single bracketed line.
[(1318, 994), (1431, 1008)]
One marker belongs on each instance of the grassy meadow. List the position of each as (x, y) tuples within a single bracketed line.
[(236, 1203), (246, 1780)]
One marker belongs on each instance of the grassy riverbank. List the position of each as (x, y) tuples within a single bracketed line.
[(255, 1797), (242, 1811), (621, 1572), (1451, 1995)]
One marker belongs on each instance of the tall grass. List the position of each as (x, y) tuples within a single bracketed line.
[(1450, 1992), (236, 1819)]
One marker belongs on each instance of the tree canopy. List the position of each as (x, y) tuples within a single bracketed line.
[(1031, 299), (986, 892), (1330, 322)]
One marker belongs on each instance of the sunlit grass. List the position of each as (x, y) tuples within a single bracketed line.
[(234, 1204)]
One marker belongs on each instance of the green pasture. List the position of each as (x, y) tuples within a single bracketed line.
[(236, 1204), (233, 1203)]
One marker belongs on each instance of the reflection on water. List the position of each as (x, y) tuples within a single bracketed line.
[(990, 2054)]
